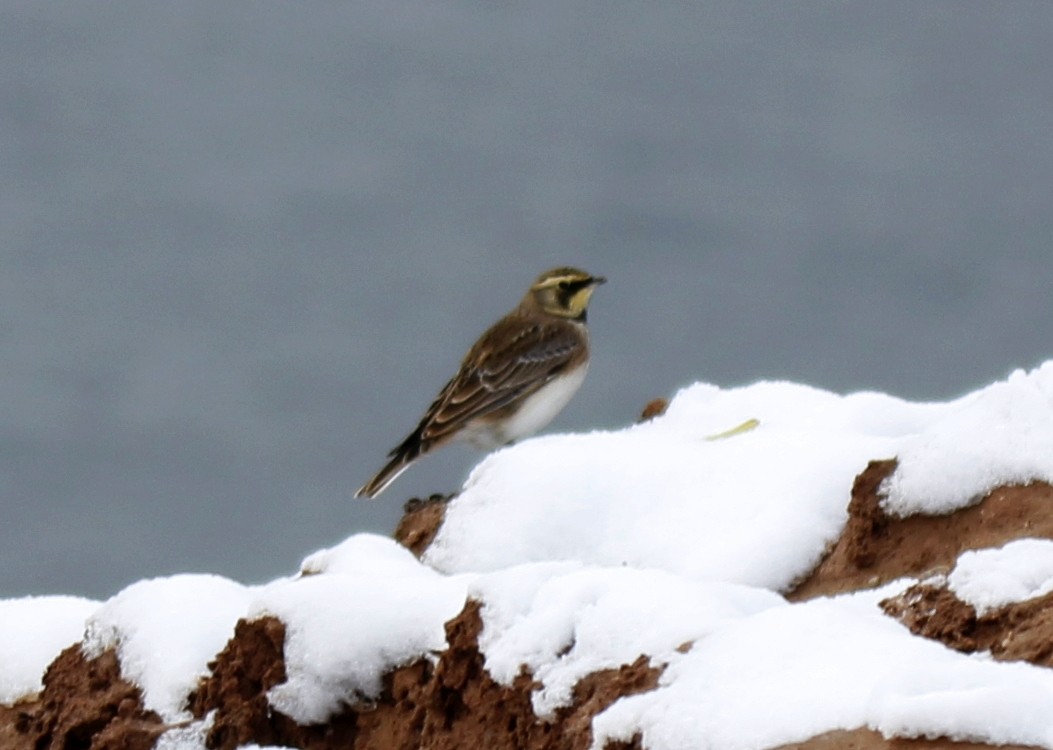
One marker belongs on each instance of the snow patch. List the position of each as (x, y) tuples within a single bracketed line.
[(165, 631), (992, 578), (999, 435), (790, 673), (758, 508), (370, 607), (565, 624), (33, 631)]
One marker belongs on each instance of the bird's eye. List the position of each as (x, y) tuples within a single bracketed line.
[(564, 285)]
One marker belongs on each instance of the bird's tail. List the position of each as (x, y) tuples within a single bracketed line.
[(401, 458)]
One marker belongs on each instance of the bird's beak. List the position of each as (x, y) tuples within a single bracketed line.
[(597, 280)]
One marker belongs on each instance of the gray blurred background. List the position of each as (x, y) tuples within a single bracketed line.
[(244, 243)]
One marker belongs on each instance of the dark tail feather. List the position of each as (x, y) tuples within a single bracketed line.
[(401, 458)]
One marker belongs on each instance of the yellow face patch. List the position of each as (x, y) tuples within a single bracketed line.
[(565, 293), (579, 300)]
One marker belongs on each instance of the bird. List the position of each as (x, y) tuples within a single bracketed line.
[(516, 377)]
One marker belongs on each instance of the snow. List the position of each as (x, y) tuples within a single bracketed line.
[(758, 508), (1001, 434), (191, 736), (564, 621), (992, 578), (790, 673), (673, 539), (33, 630), (166, 630), (365, 607)]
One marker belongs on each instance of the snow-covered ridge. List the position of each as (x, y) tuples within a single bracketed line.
[(758, 508), (589, 550)]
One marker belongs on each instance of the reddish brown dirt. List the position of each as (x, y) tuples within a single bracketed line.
[(250, 664), (866, 739), (655, 408), (453, 705), (85, 705), (420, 522), (876, 548), (14, 721), (1022, 631)]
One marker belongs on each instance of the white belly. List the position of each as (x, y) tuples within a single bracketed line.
[(537, 411)]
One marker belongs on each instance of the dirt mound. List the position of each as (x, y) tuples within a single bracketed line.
[(453, 704), (420, 522), (249, 665), (85, 704), (1022, 631), (876, 548)]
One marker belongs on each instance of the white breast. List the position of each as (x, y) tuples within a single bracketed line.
[(537, 411)]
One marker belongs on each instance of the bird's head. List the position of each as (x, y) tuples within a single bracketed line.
[(564, 292)]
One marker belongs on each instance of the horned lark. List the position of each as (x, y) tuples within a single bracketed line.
[(514, 379)]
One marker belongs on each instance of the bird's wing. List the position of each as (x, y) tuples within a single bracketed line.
[(496, 374)]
